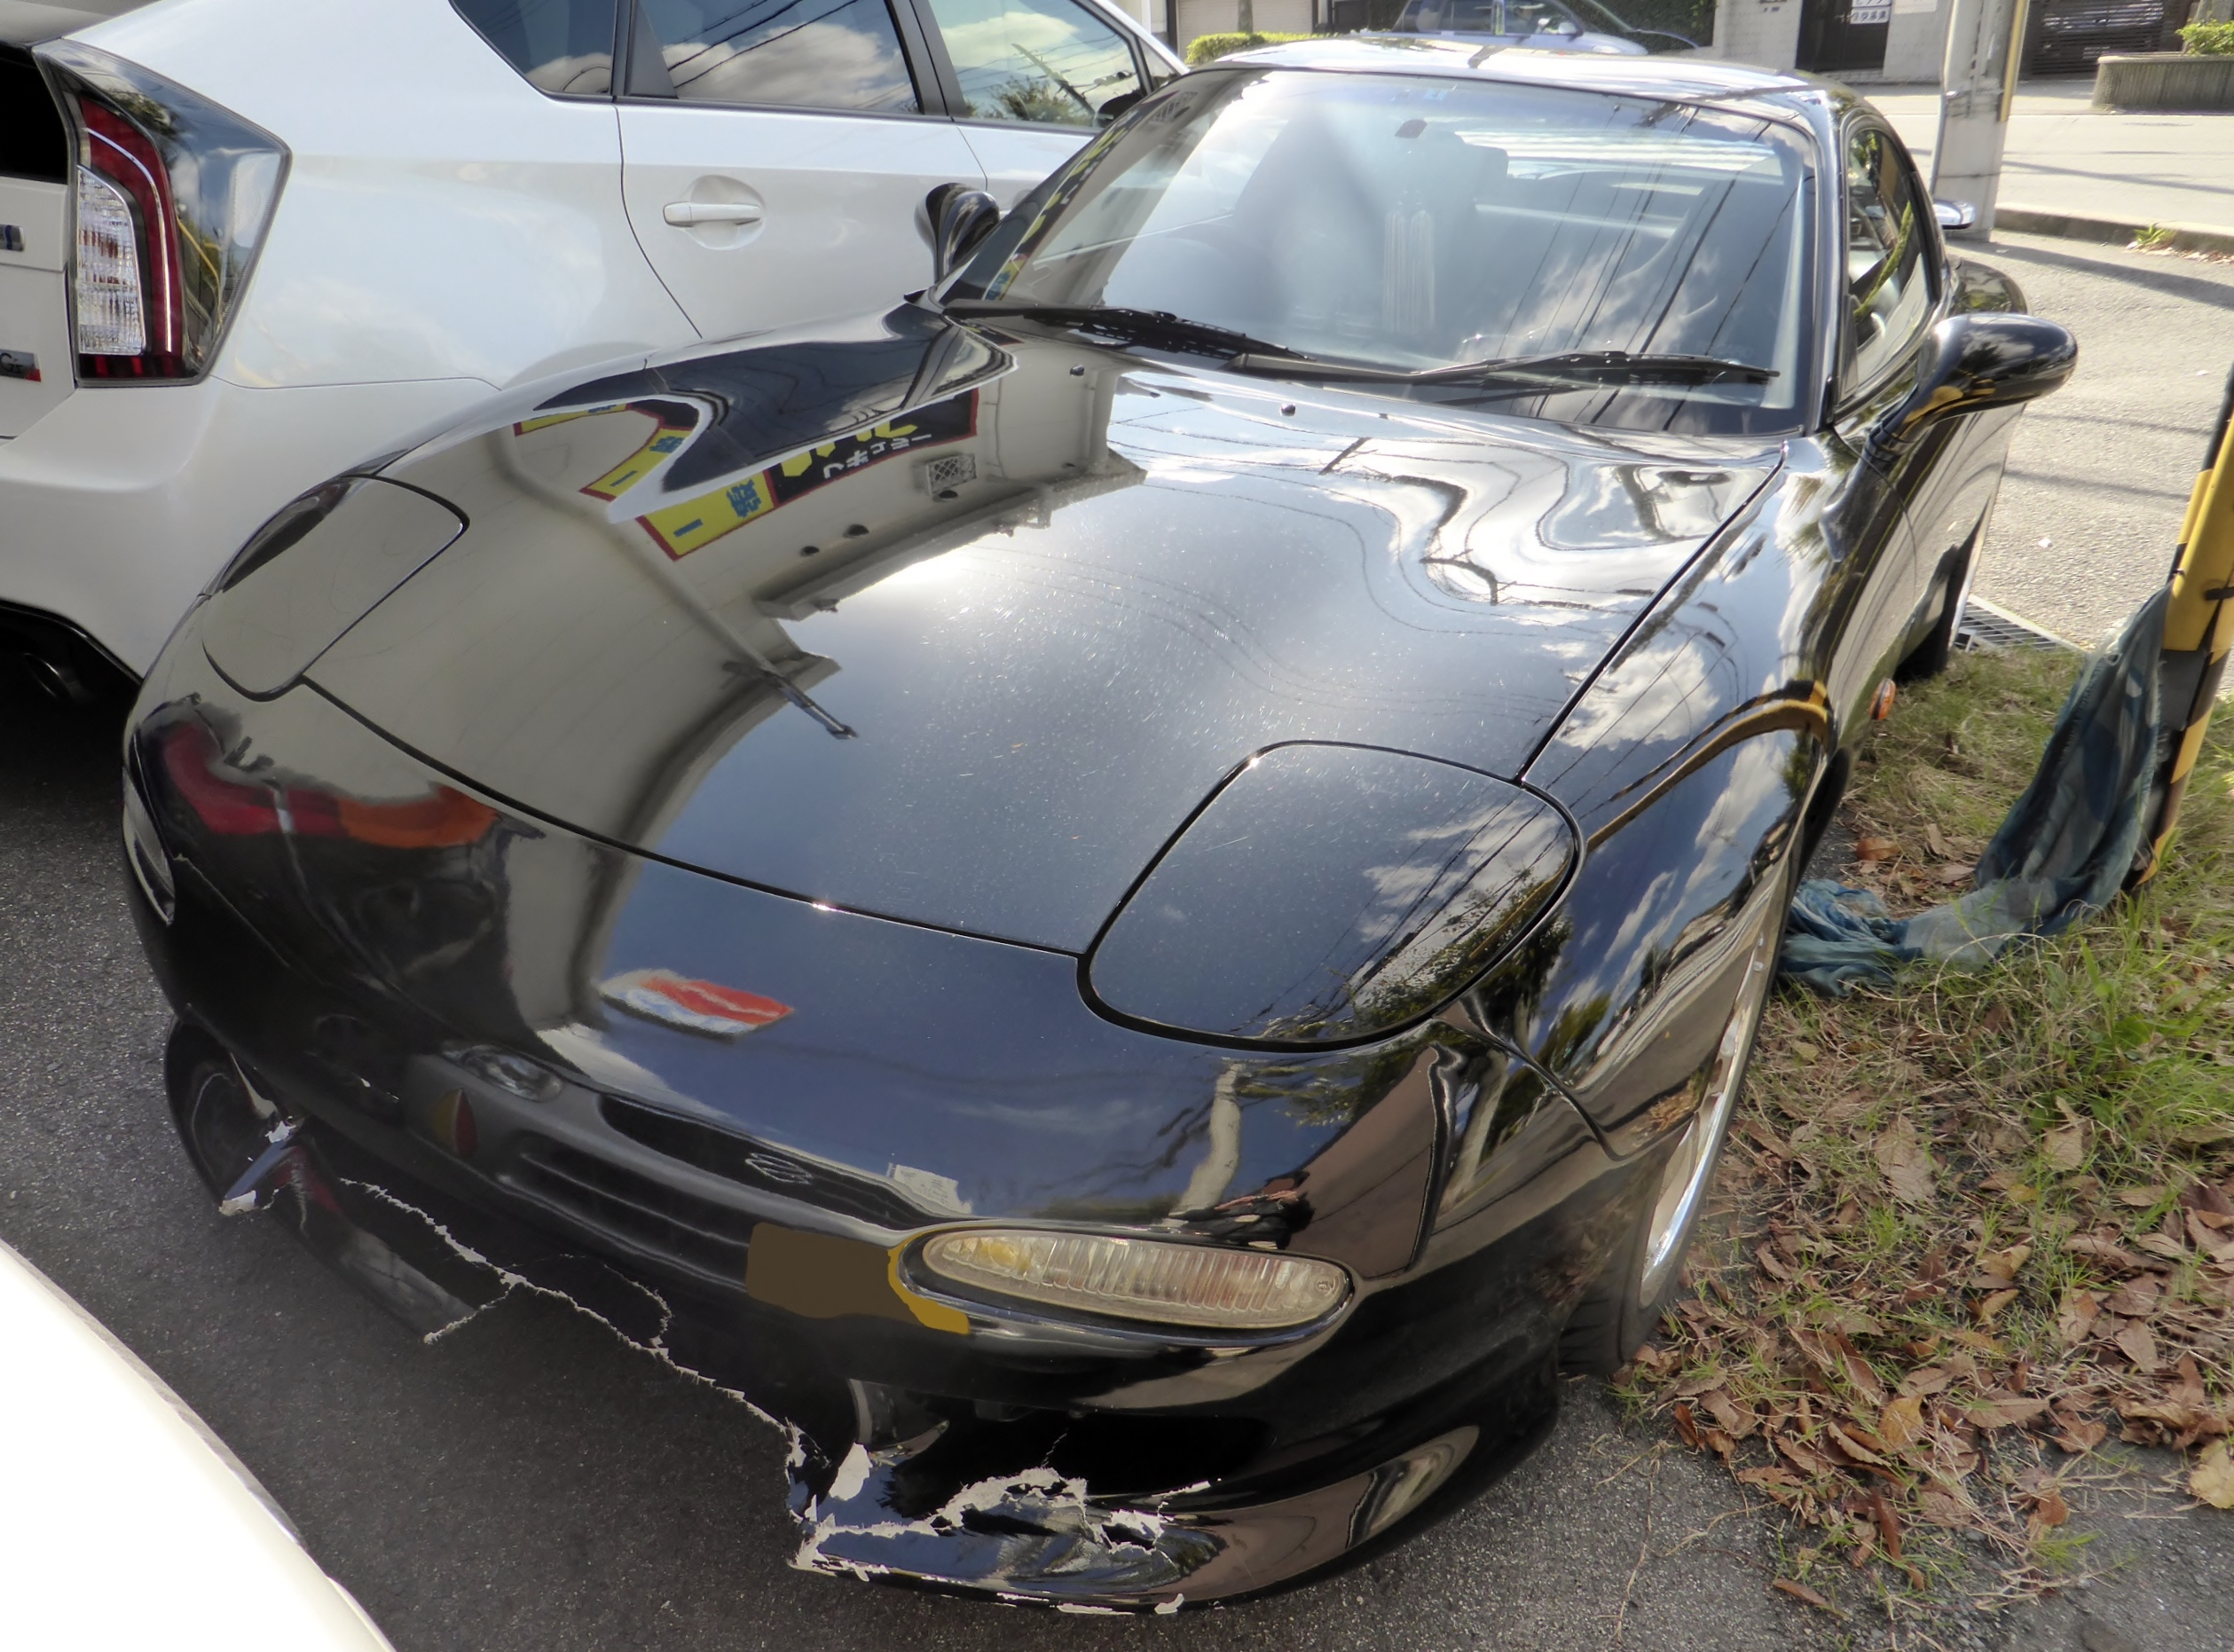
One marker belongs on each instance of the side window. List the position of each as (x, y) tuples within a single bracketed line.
[(1049, 62), (563, 46), (807, 54), (1888, 266)]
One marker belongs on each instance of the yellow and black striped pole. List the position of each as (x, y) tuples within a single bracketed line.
[(2198, 629)]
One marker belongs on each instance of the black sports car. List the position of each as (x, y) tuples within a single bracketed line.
[(1133, 893)]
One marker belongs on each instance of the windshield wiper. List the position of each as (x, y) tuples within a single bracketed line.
[(1574, 366), (1141, 327)]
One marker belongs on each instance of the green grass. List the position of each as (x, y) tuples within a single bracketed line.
[(2080, 1088)]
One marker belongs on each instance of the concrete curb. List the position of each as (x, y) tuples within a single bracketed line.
[(2118, 231)]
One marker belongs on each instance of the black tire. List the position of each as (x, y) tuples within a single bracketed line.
[(1620, 1314), (1930, 656), (218, 1123)]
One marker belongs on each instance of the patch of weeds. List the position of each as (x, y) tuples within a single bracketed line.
[(2153, 237), (1973, 1226)]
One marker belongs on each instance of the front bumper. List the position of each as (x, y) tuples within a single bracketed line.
[(976, 1447)]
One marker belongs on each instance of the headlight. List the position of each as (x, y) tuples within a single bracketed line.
[(1199, 1285), (1329, 895)]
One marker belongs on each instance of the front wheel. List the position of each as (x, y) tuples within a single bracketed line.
[(1930, 656), (1621, 1313), (218, 1119)]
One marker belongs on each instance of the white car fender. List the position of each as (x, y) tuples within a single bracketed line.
[(441, 217), (125, 1523)]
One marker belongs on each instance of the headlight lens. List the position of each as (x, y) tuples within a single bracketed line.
[(1330, 894), (1201, 1286)]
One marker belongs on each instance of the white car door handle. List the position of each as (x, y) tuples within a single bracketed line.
[(686, 213)]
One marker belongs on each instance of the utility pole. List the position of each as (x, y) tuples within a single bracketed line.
[(1978, 83)]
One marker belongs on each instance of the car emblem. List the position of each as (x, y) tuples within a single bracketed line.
[(694, 1006), (18, 364)]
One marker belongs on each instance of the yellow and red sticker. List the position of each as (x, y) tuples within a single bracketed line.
[(681, 528)]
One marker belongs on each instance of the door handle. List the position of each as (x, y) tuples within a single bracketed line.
[(686, 213)]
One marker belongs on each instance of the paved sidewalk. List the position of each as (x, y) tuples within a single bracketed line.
[(2065, 156), (2099, 473)]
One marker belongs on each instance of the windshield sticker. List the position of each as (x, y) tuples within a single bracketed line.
[(681, 528)]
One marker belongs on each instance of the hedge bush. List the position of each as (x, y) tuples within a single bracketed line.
[(2209, 40), (1209, 48)]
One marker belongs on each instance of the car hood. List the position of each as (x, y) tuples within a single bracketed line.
[(960, 626)]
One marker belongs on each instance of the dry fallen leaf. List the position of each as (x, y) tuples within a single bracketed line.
[(2104, 1250), (2080, 1436), (2005, 1410), (2049, 1511), (2188, 1388), (1983, 1310), (1801, 1592), (2213, 1480), (1852, 1447), (2207, 1240), (1867, 848), (2075, 1319), (2135, 1299), (1906, 1166), (2065, 1146), (2139, 1197), (2002, 1265), (1738, 1421), (1942, 1507), (2135, 1339), (1901, 1421), (1936, 841)]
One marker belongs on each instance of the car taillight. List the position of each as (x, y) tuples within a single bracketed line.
[(173, 196)]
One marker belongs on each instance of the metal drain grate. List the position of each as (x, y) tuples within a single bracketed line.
[(1986, 626)]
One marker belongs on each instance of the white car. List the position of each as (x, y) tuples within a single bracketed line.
[(245, 244), (125, 1524)]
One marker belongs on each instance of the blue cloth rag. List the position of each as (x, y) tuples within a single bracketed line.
[(2064, 850)]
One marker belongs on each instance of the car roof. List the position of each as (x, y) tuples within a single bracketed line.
[(1682, 77)]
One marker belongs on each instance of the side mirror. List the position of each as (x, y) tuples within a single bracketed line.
[(1954, 215), (960, 219), (1976, 361)]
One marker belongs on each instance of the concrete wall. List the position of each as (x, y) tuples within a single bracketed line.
[(1766, 33), (1761, 32)]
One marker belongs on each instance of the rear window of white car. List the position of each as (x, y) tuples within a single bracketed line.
[(563, 46), (32, 141), (804, 54)]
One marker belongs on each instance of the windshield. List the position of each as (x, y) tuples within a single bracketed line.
[(1485, 16), (1411, 222)]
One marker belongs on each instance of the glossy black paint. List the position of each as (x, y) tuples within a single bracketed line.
[(1382, 884), (750, 846)]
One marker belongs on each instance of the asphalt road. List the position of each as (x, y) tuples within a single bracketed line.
[(531, 1483), (2099, 473)]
